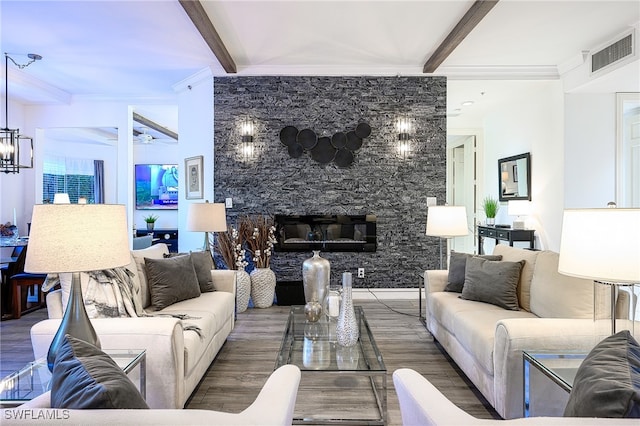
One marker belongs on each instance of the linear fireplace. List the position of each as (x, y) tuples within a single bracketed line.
[(325, 232)]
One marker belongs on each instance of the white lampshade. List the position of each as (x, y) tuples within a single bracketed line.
[(77, 237), (61, 198), (206, 217), (601, 244), (518, 207), (447, 221)]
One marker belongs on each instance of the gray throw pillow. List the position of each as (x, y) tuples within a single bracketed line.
[(457, 269), (492, 282), (203, 264), (607, 383), (171, 280), (84, 377)]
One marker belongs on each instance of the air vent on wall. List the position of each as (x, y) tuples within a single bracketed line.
[(613, 53)]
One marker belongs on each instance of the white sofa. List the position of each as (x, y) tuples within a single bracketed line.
[(487, 341), (176, 358), (422, 404), (273, 406)]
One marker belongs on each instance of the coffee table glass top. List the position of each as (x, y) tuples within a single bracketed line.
[(34, 379), (312, 346)]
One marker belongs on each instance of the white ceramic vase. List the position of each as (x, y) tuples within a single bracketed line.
[(263, 287), (243, 290)]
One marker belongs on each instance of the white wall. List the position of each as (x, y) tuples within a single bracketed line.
[(590, 150), (195, 103)]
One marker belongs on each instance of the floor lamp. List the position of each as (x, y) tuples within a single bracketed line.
[(206, 217), (76, 238), (446, 222), (602, 245)]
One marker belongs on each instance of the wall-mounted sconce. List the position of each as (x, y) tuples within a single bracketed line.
[(246, 133), (403, 127)]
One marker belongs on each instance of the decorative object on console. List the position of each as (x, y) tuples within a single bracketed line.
[(347, 331), (61, 198), (339, 148), (610, 257), (490, 206), (518, 208), (403, 127), (150, 220), (11, 139), (246, 134), (58, 243), (206, 217), (446, 222), (316, 274)]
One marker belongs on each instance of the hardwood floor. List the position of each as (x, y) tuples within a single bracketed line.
[(248, 357)]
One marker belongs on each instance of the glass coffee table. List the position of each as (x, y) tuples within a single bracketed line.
[(339, 384), (34, 379), (547, 385)]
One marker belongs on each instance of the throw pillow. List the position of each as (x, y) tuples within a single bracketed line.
[(492, 282), (457, 268), (171, 280), (607, 383), (203, 264), (84, 377)]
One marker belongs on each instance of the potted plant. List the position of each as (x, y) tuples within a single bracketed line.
[(151, 220), (490, 206)]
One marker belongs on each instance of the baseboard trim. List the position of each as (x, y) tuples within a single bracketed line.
[(384, 293)]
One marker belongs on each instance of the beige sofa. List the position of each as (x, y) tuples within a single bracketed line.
[(176, 357), (487, 341)]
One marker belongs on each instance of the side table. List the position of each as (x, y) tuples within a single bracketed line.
[(547, 385), (34, 379)]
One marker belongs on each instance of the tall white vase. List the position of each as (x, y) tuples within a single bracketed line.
[(263, 287), (347, 330), (243, 290)]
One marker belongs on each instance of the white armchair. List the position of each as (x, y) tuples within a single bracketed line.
[(422, 404), (273, 406)]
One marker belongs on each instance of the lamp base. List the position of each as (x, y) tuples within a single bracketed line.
[(75, 322)]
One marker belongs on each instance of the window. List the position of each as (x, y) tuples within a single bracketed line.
[(75, 176)]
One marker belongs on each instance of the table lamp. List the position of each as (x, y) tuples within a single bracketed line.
[(518, 208), (446, 222), (61, 198), (206, 217), (602, 245), (76, 238)]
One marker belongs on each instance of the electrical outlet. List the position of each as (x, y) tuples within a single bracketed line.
[(228, 203), (360, 272)]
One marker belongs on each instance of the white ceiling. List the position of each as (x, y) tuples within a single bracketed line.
[(140, 49)]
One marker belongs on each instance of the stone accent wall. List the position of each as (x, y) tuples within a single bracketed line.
[(379, 182)]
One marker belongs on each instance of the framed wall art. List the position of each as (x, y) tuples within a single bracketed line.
[(194, 176)]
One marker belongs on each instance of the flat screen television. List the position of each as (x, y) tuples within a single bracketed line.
[(156, 186)]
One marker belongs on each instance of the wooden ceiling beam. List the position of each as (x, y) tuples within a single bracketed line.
[(201, 20), (474, 15), (153, 125)]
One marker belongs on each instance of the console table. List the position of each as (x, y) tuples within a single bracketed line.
[(504, 234)]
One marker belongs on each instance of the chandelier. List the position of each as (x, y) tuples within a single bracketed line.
[(10, 139)]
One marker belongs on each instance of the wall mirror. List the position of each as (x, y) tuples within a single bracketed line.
[(514, 177)]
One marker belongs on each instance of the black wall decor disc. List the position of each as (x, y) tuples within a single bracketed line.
[(307, 138), (353, 141), (288, 135), (363, 130), (343, 158), (339, 140), (296, 150), (323, 152)]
